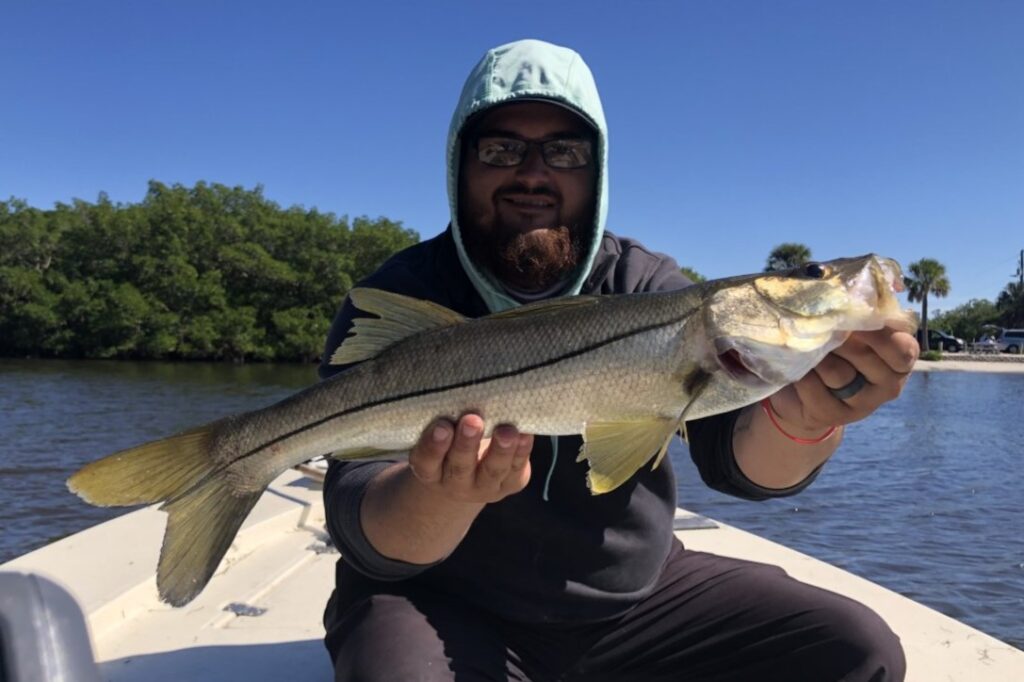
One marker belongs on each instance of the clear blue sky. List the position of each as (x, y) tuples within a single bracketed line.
[(894, 127)]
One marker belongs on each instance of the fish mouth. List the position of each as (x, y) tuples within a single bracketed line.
[(732, 361)]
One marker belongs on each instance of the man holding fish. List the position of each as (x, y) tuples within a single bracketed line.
[(499, 401), (493, 557)]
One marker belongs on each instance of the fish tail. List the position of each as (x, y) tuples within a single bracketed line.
[(204, 510)]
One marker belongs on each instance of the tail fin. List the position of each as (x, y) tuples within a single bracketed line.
[(204, 512), (200, 527)]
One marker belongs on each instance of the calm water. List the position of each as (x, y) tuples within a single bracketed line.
[(925, 498)]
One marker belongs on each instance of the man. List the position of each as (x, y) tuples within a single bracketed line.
[(488, 559)]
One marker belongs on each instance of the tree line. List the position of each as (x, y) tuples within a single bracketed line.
[(222, 273), (927, 278), (205, 272)]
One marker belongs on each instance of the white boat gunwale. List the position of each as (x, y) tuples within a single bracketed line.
[(260, 615)]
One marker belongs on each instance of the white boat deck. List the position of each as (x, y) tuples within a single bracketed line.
[(260, 616)]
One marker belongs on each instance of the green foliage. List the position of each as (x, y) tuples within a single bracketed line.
[(931, 355), (787, 256), (692, 274), (1010, 306), (967, 321), (927, 277), (207, 272)]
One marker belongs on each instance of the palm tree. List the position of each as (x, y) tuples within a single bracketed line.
[(692, 274), (787, 256), (928, 277), (1010, 305)]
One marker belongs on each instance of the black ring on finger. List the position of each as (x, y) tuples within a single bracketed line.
[(851, 389)]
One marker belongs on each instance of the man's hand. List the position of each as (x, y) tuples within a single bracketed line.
[(885, 358), (458, 463), (807, 409), (420, 512)]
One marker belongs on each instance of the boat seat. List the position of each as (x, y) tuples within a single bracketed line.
[(43, 635)]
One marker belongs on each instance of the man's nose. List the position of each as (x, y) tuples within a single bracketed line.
[(533, 170)]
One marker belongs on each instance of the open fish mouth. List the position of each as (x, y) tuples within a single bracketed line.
[(739, 365), (759, 365), (774, 328)]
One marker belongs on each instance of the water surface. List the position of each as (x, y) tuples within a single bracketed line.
[(925, 498)]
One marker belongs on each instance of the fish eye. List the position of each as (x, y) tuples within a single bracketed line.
[(815, 270)]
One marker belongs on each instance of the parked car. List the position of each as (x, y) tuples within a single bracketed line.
[(986, 344), (938, 340), (1010, 340)]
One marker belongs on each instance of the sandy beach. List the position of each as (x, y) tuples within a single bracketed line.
[(998, 364)]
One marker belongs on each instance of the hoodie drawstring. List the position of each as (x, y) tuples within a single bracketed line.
[(551, 469)]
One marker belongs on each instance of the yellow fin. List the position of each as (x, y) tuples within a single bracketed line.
[(367, 453), (200, 527), (398, 317), (205, 512), (698, 382), (664, 446), (148, 473), (616, 450)]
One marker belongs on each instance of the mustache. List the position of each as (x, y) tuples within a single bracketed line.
[(540, 191)]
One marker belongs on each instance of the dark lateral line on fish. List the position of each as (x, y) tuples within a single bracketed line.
[(416, 394)]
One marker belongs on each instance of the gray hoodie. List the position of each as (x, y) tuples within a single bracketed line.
[(552, 552), (528, 70)]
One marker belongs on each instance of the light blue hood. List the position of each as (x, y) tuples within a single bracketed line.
[(528, 70)]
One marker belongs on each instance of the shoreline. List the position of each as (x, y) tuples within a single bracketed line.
[(989, 364)]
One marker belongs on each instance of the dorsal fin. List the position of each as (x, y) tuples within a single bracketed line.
[(546, 306), (398, 317)]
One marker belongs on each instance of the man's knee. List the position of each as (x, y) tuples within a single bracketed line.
[(395, 637), (872, 651), (362, 642)]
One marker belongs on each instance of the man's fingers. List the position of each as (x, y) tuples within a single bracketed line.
[(456, 458), (519, 469), (497, 460), (460, 465), (885, 357), (898, 350), (524, 446), (427, 456), (835, 371)]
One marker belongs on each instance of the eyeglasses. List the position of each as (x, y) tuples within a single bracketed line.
[(505, 152)]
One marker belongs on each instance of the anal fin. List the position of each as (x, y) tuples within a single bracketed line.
[(368, 453)]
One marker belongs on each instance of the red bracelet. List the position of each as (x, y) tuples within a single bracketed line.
[(766, 405)]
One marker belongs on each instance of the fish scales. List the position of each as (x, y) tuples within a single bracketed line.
[(625, 371), (527, 372)]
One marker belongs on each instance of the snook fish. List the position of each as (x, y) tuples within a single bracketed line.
[(625, 371)]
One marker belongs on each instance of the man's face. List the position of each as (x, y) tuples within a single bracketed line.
[(527, 224)]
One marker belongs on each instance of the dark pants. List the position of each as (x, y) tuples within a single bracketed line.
[(710, 618)]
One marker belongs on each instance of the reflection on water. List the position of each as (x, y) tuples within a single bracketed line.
[(925, 498)]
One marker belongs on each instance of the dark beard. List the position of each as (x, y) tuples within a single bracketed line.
[(529, 261)]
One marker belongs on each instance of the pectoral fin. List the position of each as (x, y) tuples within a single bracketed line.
[(695, 385), (398, 317), (616, 450)]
